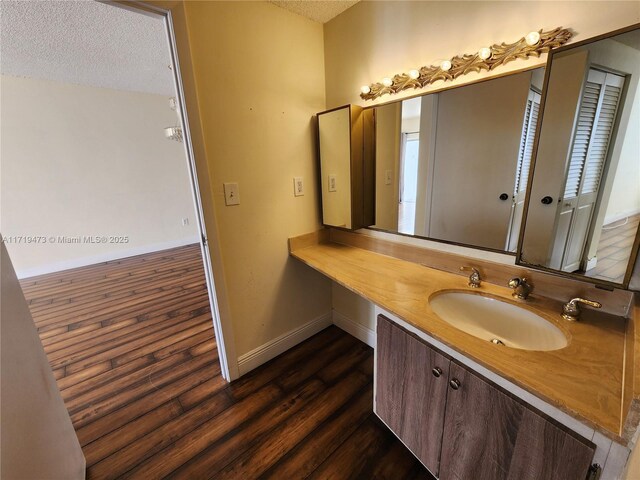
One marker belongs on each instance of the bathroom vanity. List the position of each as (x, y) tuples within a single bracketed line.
[(460, 424), (477, 383), (432, 380)]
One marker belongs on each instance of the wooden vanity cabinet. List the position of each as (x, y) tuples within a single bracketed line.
[(460, 425), (411, 390)]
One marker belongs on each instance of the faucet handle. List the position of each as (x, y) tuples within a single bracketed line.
[(571, 311), (474, 278)]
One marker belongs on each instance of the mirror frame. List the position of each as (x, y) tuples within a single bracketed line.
[(633, 258), (361, 168), (442, 89)]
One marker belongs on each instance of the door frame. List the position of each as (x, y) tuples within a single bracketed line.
[(211, 254)]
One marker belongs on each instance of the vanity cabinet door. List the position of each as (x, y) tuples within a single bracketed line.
[(411, 391), (488, 435)]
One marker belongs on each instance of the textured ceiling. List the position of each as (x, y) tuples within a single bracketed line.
[(319, 11), (85, 42)]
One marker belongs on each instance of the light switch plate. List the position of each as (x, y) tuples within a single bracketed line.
[(332, 183), (298, 186), (387, 177), (231, 194)]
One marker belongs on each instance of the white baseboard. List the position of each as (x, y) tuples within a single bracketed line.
[(619, 216), (354, 328), (275, 347), (103, 257)]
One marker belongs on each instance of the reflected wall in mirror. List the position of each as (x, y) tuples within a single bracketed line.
[(346, 167), (453, 165), (584, 204)]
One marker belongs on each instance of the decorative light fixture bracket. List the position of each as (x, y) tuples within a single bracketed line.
[(463, 64)]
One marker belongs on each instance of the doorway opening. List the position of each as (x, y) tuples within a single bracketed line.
[(102, 215)]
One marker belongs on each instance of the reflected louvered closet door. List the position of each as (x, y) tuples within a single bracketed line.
[(592, 138), (522, 170)]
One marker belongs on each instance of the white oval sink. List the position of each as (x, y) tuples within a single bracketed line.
[(496, 321)]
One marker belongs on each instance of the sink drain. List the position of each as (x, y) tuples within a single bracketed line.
[(497, 341)]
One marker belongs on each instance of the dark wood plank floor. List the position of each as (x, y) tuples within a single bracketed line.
[(132, 347)]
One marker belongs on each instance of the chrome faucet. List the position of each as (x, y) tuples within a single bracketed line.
[(474, 278), (521, 289), (570, 310)]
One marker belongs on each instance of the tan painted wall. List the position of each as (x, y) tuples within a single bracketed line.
[(388, 124), (37, 437), (258, 73), (633, 465), (372, 40), (80, 160)]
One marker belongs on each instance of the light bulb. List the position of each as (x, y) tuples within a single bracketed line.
[(445, 65), (484, 53), (365, 89), (414, 74), (532, 38), (387, 82)]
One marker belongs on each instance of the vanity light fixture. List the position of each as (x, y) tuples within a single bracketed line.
[(175, 132), (532, 38), (487, 58), (484, 53)]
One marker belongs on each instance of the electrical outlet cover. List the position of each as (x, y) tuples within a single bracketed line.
[(333, 187), (298, 186)]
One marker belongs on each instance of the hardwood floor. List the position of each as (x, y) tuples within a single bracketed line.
[(614, 249), (132, 347)]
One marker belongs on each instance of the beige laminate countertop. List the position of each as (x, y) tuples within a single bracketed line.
[(583, 379)]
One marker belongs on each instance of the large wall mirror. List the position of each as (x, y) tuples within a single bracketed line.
[(583, 207), (452, 166)]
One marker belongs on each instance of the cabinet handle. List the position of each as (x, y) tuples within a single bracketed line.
[(454, 383), (437, 371)]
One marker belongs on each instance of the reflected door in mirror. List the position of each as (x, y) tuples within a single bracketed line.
[(453, 166), (584, 206)]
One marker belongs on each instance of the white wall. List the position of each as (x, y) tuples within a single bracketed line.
[(36, 435), (625, 193), (79, 160)]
